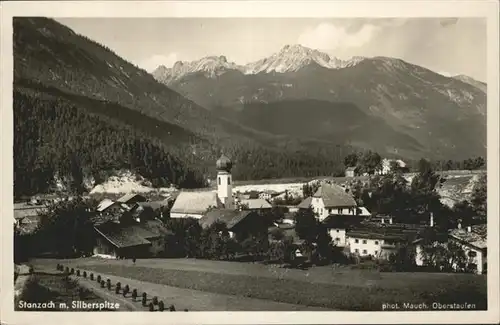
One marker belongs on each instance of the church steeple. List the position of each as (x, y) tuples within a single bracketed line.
[(224, 181)]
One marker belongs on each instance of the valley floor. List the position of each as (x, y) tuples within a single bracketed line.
[(217, 285)]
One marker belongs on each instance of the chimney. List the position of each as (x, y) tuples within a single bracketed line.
[(459, 225), (432, 220), (469, 229), (390, 220)]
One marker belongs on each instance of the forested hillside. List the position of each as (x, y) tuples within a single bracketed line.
[(81, 110)]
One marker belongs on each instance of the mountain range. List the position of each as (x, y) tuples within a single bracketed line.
[(79, 108), (380, 103)]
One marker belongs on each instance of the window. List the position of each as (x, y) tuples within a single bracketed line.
[(472, 254), (356, 251), (340, 211), (375, 253), (356, 241), (364, 241), (337, 230), (219, 180), (337, 239), (364, 251), (228, 180), (376, 243)]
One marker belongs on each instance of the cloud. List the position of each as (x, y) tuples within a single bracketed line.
[(327, 36), (156, 60)]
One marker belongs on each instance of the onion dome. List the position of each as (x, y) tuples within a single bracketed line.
[(224, 164)]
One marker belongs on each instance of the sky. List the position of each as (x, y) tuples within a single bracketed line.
[(449, 46)]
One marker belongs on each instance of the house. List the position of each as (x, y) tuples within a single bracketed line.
[(381, 240), (196, 203), (338, 225), (26, 217), (332, 199), (473, 241), (350, 172), (109, 207), (239, 223), (132, 240), (267, 195), (305, 204), (255, 204), (386, 166), (130, 199)]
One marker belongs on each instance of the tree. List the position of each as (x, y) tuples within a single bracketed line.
[(479, 197), (187, 235), (369, 163), (65, 228), (424, 197), (351, 160), (306, 225), (310, 188)]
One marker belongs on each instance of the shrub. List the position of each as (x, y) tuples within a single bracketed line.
[(58, 267), (151, 306), (161, 305), (31, 270), (92, 276), (99, 278), (127, 288), (66, 270), (103, 283), (118, 285), (117, 290), (144, 295), (72, 271), (84, 274), (144, 301), (171, 308), (134, 294), (185, 309), (108, 284), (155, 300), (77, 272)]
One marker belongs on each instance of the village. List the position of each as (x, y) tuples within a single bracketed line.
[(325, 226)]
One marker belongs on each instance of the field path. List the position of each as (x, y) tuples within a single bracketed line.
[(195, 300)]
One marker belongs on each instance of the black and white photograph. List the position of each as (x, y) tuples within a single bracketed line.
[(198, 163)]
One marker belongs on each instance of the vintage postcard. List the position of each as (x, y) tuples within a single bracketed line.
[(241, 162)]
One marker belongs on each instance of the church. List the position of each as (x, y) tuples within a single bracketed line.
[(197, 203)]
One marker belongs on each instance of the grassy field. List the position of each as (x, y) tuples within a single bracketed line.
[(45, 287), (341, 289)]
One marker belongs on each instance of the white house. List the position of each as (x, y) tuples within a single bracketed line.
[(196, 203), (473, 241), (331, 199), (386, 165)]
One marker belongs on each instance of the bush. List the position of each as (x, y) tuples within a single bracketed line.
[(127, 288), (84, 274), (103, 283), (161, 305), (155, 300), (171, 308), (117, 289), (31, 270), (185, 309), (144, 301), (58, 267), (134, 294), (66, 270), (72, 271), (92, 276), (144, 295), (108, 285), (151, 307), (77, 272), (99, 278), (119, 285)]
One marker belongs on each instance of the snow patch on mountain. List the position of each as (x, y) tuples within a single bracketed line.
[(290, 58)]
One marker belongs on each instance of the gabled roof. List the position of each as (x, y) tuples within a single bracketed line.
[(350, 168), (306, 203), (105, 204), (477, 237), (132, 235), (195, 202), (334, 196), (155, 205), (228, 216), (256, 204), (127, 197)]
